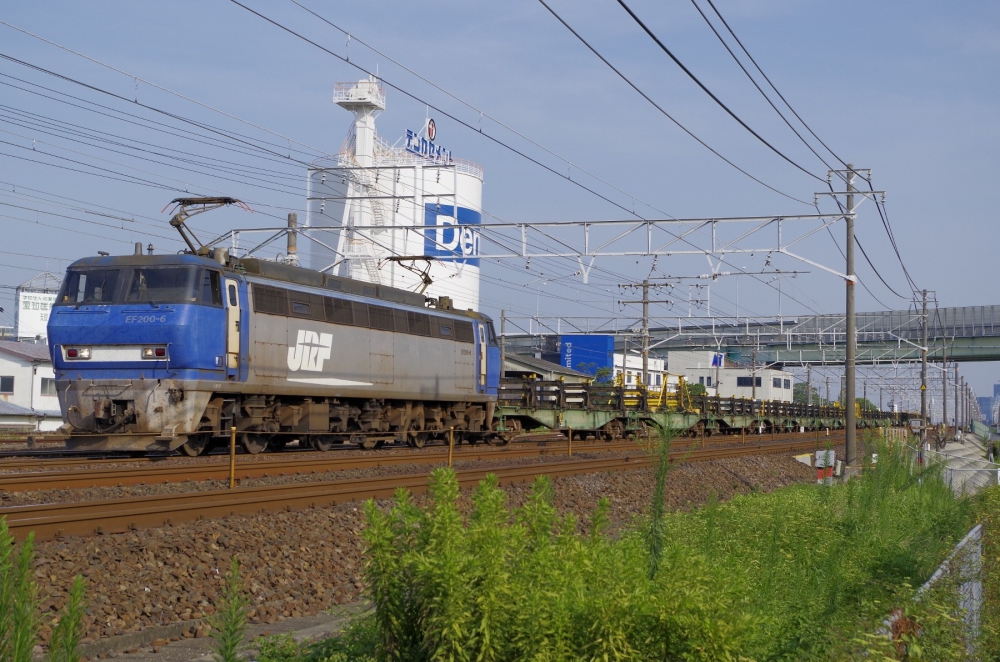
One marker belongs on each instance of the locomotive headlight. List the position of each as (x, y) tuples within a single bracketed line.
[(154, 352), (78, 353)]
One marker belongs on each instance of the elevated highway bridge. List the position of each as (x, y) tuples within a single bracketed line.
[(970, 333)]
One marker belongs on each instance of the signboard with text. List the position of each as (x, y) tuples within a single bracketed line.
[(32, 315)]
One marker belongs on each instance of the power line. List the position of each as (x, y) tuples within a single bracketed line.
[(148, 124), (773, 87), (756, 85), (800, 137), (159, 87), (884, 215), (660, 108), (146, 159), (858, 243), (39, 122), (230, 135), (710, 93)]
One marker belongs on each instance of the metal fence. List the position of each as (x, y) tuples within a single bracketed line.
[(964, 566), (973, 474)]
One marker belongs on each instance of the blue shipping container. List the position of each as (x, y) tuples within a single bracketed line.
[(587, 353)]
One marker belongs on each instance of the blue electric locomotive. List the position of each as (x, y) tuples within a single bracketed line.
[(164, 352)]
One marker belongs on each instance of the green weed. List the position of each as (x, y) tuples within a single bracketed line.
[(229, 623)]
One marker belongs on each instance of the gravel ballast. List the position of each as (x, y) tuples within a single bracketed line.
[(302, 562)]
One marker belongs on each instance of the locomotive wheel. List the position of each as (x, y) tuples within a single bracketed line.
[(613, 430), (418, 439), (254, 443), (321, 442), (196, 445)]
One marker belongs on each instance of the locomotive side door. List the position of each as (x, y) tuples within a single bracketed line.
[(232, 328), (481, 347)]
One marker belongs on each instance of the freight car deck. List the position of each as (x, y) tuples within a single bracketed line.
[(614, 412)]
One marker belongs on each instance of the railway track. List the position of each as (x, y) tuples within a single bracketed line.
[(278, 466), (120, 515), (56, 474)]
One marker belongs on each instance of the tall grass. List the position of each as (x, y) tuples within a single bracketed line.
[(19, 615), (66, 636), (656, 532), (508, 585), (229, 623), (18, 598), (791, 575)]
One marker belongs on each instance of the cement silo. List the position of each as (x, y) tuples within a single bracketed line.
[(371, 188)]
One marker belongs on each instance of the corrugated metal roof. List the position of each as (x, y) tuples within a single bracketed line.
[(26, 350), (10, 409), (544, 366)]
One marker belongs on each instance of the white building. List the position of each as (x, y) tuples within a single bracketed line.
[(28, 386), (710, 370), (656, 369)]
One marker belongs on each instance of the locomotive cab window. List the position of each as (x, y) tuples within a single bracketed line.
[(163, 285), (211, 292), (88, 286)]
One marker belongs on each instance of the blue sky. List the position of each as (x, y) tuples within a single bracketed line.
[(907, 89)]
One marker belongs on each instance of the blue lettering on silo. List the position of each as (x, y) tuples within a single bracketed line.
[(460, 242)]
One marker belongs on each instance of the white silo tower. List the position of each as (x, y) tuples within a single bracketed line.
[(371, 184)]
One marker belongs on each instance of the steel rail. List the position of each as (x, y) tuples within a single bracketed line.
[(280, 465), (120, 515), (266, 467)]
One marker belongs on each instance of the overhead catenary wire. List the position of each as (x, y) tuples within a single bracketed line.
[(475, 109), (884, 215)]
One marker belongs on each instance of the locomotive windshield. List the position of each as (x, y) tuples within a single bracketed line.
[(181, 284), (163, 285), (90, 286)]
